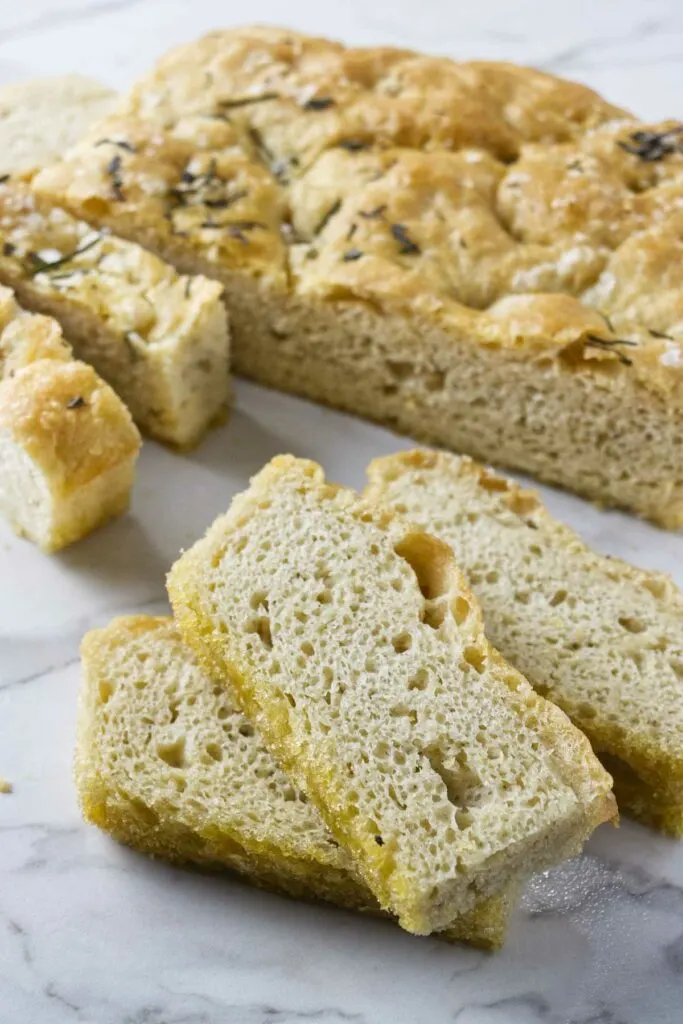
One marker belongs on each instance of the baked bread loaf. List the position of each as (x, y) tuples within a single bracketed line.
[(42, 117), (354, 644), (160, 339), (601, 639), (479, 255), (166, 764), (67, 443)]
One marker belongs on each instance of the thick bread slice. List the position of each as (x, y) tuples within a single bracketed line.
[(405, 237), (353, 643), (598, 637), (42, 117), (165, 763), (160, 339), (68, 445)]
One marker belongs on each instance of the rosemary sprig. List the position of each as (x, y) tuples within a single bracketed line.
[(659, 334), (113, 169)]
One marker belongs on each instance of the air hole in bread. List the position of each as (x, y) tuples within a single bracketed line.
[(434, 614), (261, 627), (475, 657), (105, 690), (246, 729), (214, 751), (429, 559), (559, 597), (419, 681), (173, 753), (632, 624), (259, 600), (402, 643)]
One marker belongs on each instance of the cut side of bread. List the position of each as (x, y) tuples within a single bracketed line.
[(42, 117), (166, 764), (405, 237), (353, 643), (160, 339), (68, 445), (598, 637)]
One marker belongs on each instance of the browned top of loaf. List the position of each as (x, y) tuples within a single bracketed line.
[(510, 207)]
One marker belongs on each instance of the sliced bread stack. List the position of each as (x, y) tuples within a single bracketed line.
[(167, 764), (352, 642)]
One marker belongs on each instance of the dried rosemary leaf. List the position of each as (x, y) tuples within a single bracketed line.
[(651, 147), (373, 214), (352, 255), (76, 403), (353, 145), (121, 143), (318, 103), (327, 217), (247, 101), (407, 246), (609, 345)]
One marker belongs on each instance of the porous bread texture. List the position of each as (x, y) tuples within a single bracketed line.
[(403, 237), (159, 338), (598, 637), (42, 117), (358, 651), (166, 764), (68, 445)]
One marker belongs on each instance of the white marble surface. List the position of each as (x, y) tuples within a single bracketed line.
[(91, 932)]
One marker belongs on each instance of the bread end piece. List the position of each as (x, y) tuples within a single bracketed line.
[(68, 448)]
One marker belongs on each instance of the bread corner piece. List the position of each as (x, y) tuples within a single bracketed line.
[(196, 784), (352, 640), (68, 445), (598, 637)]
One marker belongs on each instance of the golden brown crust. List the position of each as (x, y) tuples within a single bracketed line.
[(27, 337), (68, 420), (495, 201)]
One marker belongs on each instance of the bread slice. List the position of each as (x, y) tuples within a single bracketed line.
[(601, 639), (42, 117), (160, 339), (166, 764), (405, 237), (68, 445), (353, 643)]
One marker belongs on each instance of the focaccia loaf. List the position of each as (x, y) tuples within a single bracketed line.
[(596, 636), (68, 445), (477, 254), (353, 643), (167, 764)]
